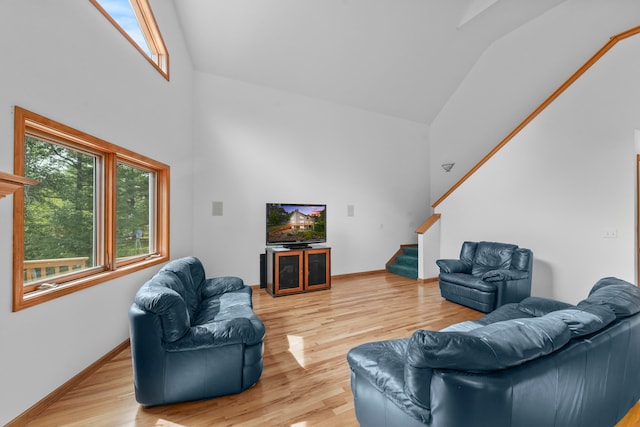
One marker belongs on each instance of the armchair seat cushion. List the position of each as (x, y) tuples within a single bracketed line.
[(468, 281), (468, 296)]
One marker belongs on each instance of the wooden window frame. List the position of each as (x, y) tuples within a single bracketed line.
[(149, 27), (29, 123)]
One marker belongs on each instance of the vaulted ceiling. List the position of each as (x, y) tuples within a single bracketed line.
[(402, 58)]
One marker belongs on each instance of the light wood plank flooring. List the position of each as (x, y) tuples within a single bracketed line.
[(305, 381)]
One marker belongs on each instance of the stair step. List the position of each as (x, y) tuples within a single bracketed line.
[(404, 270), (406, 263), (410, 250), (408, 260)]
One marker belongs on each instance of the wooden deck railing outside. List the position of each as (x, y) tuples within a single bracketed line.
[(37, 269)]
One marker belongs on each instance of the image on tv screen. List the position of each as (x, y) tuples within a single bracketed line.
[(295, 223)]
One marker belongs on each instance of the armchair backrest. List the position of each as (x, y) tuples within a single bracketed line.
[(468, 252), (522, 260), (488, 256)]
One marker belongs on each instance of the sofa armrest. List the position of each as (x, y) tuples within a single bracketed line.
[(220, 333), (417, 374), (453, 266), (168, 305), (504, 274), (220, 285)]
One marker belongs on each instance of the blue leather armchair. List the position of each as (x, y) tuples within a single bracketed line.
[(487, 275), (193, 338)]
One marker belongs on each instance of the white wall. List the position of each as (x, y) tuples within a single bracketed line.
[(64, 60), (562, 182), (256, 145), (515, 75)]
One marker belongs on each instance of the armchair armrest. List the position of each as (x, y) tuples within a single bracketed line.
[(220, 285), (501, 275), (453, 266)]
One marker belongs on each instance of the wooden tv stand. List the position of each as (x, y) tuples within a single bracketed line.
[(293, 271)]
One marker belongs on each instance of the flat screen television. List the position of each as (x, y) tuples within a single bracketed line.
[(296, 225)]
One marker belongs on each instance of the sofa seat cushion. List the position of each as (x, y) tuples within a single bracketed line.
[(496, 346), (224, 319), (468, 281), (623, 298), (224, 307), (239, 330), (383, 363)]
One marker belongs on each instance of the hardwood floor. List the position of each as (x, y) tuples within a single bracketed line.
[(305, 381)]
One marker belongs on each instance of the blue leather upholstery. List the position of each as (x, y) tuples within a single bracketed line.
[(193, 338), (535, 363), (487, 275)]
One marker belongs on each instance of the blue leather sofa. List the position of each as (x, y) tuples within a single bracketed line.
[(487, 275), (535, 363), (193, 338)]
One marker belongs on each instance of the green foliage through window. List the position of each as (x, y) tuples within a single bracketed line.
[(134, 217), (59, 217)]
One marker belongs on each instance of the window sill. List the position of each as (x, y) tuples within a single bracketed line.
[(38, 297)]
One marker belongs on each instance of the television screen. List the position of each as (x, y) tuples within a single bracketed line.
[(296, 224)]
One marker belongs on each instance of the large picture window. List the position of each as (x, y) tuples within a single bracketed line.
[(98, 211)]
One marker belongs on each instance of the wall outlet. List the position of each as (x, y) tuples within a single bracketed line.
[(610, 233)]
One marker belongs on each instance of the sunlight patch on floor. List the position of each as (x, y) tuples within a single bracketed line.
[(302, 424), (165, 423), (296, 348)]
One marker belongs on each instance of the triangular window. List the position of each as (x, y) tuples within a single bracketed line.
[(135, 20)]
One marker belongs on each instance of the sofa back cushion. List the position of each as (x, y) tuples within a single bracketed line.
[(539, 306), (190, 271), (160, 296), (584, 320), (496, 346), (492, 256), (622, 297)]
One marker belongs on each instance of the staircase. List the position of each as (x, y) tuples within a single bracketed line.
[(405, 262)]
